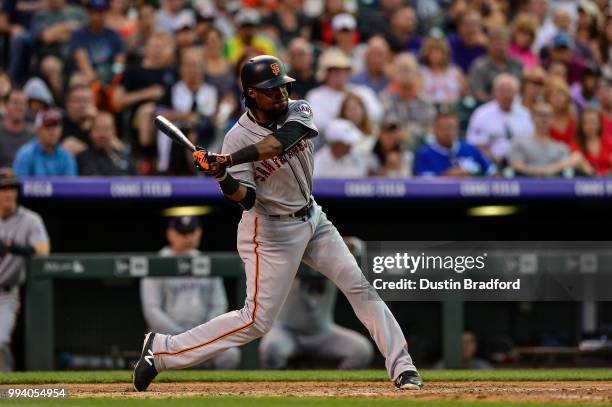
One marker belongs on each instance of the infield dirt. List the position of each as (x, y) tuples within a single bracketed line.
[(542, 392)]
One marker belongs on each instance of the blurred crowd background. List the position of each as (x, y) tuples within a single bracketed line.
[(399, 88)]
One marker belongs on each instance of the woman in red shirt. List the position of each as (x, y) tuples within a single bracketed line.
[(594, 143), (564, 123)]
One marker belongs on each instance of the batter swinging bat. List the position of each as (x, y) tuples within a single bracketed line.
[(170, 130)]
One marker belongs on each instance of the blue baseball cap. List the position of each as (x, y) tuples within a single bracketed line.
[(562, 40), (98, 5), (184, 224)]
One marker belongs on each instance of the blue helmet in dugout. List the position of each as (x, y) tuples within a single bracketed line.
[(263, 72)]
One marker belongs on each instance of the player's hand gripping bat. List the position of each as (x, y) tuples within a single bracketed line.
[(210, 163)]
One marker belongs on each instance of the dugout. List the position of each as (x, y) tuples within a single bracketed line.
[(104, 316)]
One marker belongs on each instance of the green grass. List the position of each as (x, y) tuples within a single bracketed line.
[(264, 402), (306, 375)]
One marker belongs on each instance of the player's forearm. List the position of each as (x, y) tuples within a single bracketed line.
[(272, 145), (235, 191), (267, 148)]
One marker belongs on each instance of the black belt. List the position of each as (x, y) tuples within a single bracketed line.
[(5, 288), (300, 213)]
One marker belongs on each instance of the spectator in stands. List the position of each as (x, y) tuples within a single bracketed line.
[(587, 28), (443, 82), (353, 109), (335, 159), (170, 12), (583, 92), (101, 158), (404, 100), (145, 28), (604, 98), (376, 58), (118, 20), (346, 38), (561, 51), (22, 236), (145, 85), (540, 155), (216, 68), (288, 22), (172, 305), (247, 39), (334, 71), (99, 53), (184, 34), (16, 16), (469, 42), (43, 156), (191, 103), (485, 69), (5, 87), (523, 35), (301, 68), (219, 73), (322, 33), (205, 20), (470, 349), (390, 157), (401, 35), (496, 124), (448, 155), (14, 130), (546, 29), (53, 75), (563, 127), (594, 142), (80, 112), (49, 35), (603, 50), (562, 19), (376, 20), (39, 97), (532, 87)]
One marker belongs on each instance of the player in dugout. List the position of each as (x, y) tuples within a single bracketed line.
[(172, 305), (22, 235)]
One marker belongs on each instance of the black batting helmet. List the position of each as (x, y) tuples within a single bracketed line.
[(264, 72)]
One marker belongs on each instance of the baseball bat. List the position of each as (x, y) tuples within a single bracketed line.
[(170, 130)]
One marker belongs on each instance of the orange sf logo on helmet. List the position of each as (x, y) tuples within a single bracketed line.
[(275, 68)]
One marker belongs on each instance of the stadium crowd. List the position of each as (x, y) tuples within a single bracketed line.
[(399, 88)]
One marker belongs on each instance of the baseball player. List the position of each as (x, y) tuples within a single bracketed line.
[(266, 167), (22, 235), (173, 305)]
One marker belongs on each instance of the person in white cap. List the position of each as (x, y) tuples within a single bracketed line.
[(346, 38), (335, 159), (334, 71)]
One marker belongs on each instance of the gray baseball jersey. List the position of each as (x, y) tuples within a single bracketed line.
[(271, 177), (24, 227), (272, 249), (175, 304)]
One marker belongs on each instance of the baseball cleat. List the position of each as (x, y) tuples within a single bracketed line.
[(144, 371), (409, 380)]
